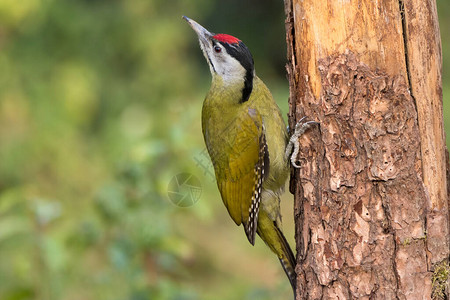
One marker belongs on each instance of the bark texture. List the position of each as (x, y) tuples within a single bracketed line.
[(371, 205)]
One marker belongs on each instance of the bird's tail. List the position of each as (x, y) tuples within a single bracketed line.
[(272, 235), (287, 259)]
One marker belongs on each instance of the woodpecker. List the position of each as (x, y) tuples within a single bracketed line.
[(247, 142)]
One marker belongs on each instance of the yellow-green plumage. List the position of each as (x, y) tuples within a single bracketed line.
[(246, 139), (232, 133)]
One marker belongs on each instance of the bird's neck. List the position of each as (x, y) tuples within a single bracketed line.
[(231, 90)]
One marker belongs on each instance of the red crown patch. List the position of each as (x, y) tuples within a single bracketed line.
[(226, 38)]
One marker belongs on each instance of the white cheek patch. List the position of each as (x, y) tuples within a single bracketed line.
[(207, 54), (229, 68)]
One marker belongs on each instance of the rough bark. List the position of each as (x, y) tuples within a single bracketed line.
[(371, 196)]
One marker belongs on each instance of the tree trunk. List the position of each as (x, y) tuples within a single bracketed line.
[(371, 202)]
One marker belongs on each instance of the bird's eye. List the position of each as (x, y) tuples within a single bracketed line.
[(217, 49)]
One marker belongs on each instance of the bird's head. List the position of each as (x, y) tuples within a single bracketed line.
[(227, 56)]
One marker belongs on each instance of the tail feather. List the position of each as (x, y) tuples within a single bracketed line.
[(271, 234), (287, 259)]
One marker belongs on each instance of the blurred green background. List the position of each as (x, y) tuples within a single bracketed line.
[(100, 107)]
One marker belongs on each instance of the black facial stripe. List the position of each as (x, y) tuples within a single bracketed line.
[(212, 65), (248, 86), (240, 52)]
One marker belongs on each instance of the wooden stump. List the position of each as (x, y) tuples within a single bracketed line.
[(371, 198)]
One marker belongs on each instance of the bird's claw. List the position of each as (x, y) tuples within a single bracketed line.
[(293, 143)]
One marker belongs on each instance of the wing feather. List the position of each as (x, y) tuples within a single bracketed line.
[(240, 161)]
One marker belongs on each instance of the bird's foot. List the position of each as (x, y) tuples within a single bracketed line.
[(294, 144)]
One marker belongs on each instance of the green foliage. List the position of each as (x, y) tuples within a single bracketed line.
[(439, 280), (99, 108), (443, 7)]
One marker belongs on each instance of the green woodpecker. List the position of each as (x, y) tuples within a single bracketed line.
[(247, 141)]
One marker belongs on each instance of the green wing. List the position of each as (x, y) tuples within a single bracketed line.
[(239, 161)]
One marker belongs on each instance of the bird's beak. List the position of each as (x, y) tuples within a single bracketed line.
[(203, 35)]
